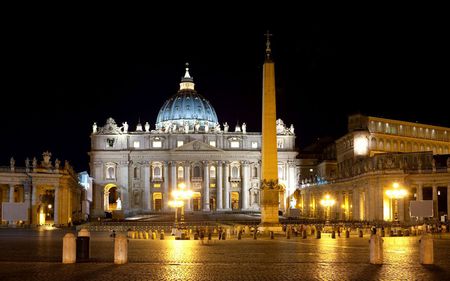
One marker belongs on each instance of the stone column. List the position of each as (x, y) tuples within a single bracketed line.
[(56, 206), (167, 180), (339, 205), (187, 179), (34, 200), (173, 184), (435, 201), (419, 192), (245, 184), (219, 182), (355, 204), (205, 186), (226, 178), (147, 202), (11, 193), (448, 201)]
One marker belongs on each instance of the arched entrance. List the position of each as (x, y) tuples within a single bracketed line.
[(197, 201), (45, 210), (111, 199), (235, 200)]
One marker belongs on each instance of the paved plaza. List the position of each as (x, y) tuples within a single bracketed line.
[(36, 255)]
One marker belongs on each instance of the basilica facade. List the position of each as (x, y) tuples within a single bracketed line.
[(136, 170)]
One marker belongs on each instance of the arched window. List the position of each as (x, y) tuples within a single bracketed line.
[(180, 172), (212, 172), (157, 172), (234, 172), (111, 174), (255, 172), (135, 172), (196, 172)]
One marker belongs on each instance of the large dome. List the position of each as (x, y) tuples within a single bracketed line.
[(187, 108)]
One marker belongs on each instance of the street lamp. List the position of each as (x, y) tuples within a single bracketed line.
[(176, 204), (180, 195), (327, 202), (396, 193)]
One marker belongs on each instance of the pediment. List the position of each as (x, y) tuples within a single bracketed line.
[(197, 146)]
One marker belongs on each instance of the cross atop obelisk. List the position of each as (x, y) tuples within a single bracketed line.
[(268, 49)]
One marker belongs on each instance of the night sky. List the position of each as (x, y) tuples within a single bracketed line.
[(63, 73)]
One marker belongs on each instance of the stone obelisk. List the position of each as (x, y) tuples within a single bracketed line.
[(269, 184)]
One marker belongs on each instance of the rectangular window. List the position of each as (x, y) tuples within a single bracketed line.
[(157, 144), (136, 144), (180, 143), (234, 144), (254, 144), (212, 143), (212, 185), (280, 143), (156, 185)]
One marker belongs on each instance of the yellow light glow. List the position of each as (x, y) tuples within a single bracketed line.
[(182, 185), (395, 185), (50, 206), (327, 202), (395, 192), (176, 203), (361, 145)]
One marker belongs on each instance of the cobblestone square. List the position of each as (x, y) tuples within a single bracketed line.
[(36, 255)]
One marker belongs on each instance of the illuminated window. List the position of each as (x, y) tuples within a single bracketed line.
[(180, 143), (180, 172), (212, 172), (212, 143), (136, 144), (254, 144), (156, 144), (156, 185), (212, 185), (234, 144)]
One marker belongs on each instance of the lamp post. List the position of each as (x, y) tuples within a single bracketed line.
[(327, 202), (394, 194), (180, 195), (176, 204)]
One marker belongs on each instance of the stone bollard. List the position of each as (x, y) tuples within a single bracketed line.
[(333, 234), (383, 233), (224, 235), (161, 236), (196, 236), (209, 235), (146, 235), (376, 249), (426, 249), (69, 249), (318, 235), (288, 234), (304, 234), (271, 235), (83, 245), (347, 234), (360, 233), (239, 235), (120, 249), (153, 235), (254, 235)]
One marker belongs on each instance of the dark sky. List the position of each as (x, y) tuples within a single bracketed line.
[(64, 72)]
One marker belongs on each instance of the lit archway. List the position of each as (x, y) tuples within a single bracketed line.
[(111, 198)]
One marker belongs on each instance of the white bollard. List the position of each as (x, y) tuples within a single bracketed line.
[(120, 249), (69, 254), (426, 249), (84, 233), (376, 249)]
